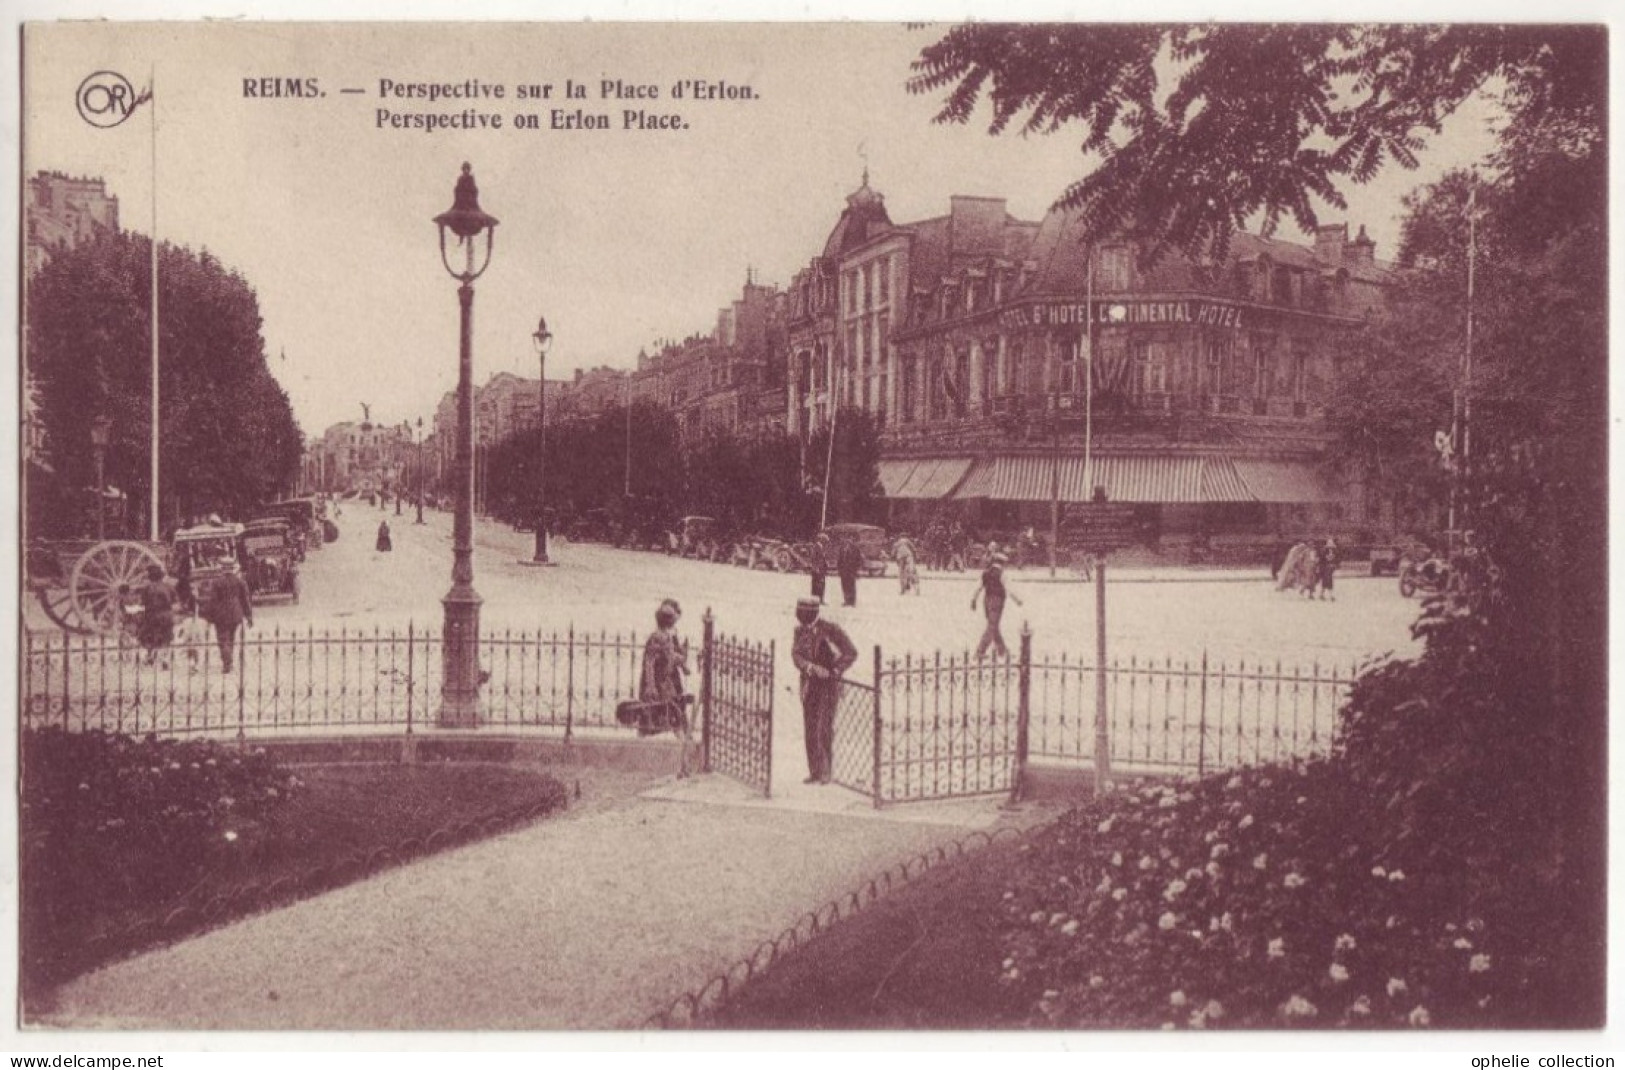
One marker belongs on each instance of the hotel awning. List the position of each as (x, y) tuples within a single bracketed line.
[(929, 478), (1285, 481), (1143, 478)]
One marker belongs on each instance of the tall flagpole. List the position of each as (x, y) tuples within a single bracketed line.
[(1089, 389), (152, 102), (829, 458)]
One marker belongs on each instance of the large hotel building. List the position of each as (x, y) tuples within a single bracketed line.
[(969, 337)]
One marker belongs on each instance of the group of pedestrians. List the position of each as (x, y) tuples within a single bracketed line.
[(225, 606), (1309, 568), (847, 561)]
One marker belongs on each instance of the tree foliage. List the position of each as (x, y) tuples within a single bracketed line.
[(228, 438), (1199, 129)]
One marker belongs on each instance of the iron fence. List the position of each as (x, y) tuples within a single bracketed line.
[(291, 679), (1186, 716), (737, 699), (948, 727)]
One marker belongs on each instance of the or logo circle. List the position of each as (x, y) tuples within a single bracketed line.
[(105, 99), (1118, 313)]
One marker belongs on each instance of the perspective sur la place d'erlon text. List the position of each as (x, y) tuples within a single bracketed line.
[(409, 104)]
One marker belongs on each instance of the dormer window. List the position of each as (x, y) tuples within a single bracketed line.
[(1116, 271)]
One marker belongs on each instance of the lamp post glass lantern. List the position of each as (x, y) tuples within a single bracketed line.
[(460, 689), (542, 339)]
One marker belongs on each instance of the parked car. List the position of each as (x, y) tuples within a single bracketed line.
[(699, 537), (872, 541), (267, 550), (199, 556)]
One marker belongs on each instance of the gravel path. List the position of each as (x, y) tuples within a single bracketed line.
[(592, 920)]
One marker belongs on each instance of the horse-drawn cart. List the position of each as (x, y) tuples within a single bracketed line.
[(83, 585)]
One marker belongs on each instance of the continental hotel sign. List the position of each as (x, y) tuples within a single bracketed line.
[(1193, 312)]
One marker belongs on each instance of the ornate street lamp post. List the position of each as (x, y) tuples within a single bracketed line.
[(100, 432), (460, 635), (542, 339)]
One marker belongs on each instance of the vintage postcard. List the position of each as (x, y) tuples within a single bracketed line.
[(1050, 527)]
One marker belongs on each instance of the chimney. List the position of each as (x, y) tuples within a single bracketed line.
[(1329, 241), (1362, 250)]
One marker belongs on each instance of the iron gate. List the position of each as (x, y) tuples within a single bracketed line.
[(736, 702)]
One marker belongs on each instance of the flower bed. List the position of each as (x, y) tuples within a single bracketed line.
[(127, 843)]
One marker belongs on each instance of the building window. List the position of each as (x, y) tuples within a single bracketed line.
[(1116, 268), (906, 389), (1264, 366), (885, 280), (1300, 372), (868, 286)]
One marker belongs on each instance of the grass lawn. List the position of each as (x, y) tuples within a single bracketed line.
[(343, 822), (925, 957)]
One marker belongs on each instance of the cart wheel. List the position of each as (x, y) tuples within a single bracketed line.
[(102, 577), (58, 605)]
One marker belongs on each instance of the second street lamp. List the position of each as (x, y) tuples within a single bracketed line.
[(460, 632), (417, 464), (542, 339)]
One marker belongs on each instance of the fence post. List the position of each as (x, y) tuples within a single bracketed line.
[(1201, 724), (1024, 682), (876, 749), (772, 656), (67, 701), (1103, 754), (569, 682), (409, 749), (242, 685), (707, 638)]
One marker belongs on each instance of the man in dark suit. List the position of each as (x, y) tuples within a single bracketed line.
[(849, 562), (822, 652), (228, 609)]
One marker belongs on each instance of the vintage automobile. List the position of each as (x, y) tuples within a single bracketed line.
[(872, 542), (699, 537), (267, 550), (308, 517), (199, 557)]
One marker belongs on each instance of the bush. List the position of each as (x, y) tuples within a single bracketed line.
[(111, 820)]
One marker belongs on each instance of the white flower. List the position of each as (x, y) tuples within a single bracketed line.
[(1117, 858), (231, 837), (1214, 1009), (1261, 861), (1480, 963), (1233, 783), (1096, 981), (1036, 917), (1193, 874), (1298, 1007), (1173, 890), (1293, 880), (1227, 922), (1361, 1007), (1177, 998), (1302, 799), (1168, 802), (1147, 862), (1070, 928), (1119, 894), (1104, 827), (1056, 919), (1396, 986), (84, 787), (1213, 870), (1420, 1018), (1198, 1020), (1462, 944), (1246, 822), (1009, 895), (1277, 948), (1167, 921), (1344, 943), (1378, 872), (1008, 963), (1475, 925), (1397, 875), (1219, 851), (1339, 972), (1105, 884)]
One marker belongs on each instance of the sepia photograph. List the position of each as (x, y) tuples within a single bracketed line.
[(1050, 528)]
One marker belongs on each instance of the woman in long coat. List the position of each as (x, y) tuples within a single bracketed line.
[(665, 664)]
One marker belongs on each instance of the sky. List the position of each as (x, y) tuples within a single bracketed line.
[(618, 237)]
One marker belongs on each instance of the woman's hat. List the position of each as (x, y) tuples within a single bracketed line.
[(671, 604)]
